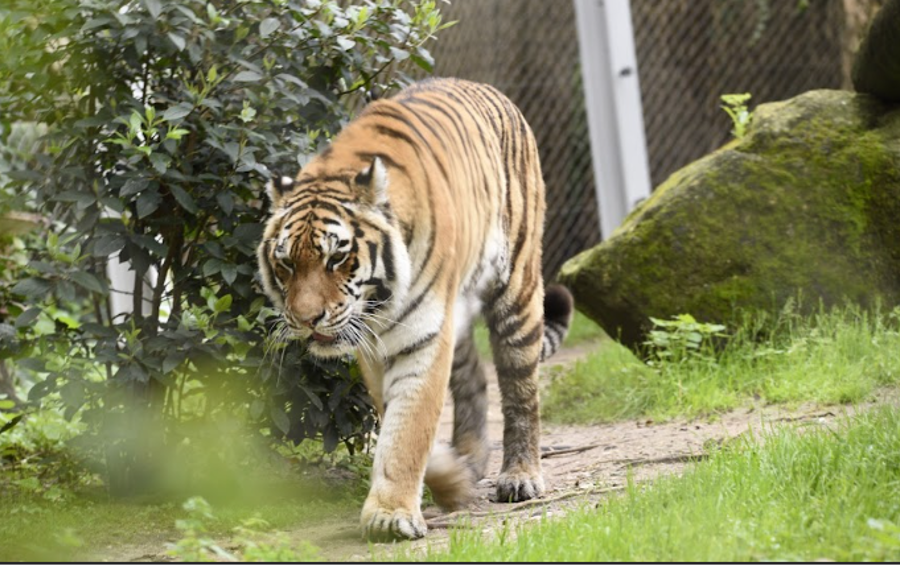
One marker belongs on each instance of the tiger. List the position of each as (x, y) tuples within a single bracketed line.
[(423, 214)]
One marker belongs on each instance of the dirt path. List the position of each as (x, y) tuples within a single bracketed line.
[(581, 464), (584, 463)]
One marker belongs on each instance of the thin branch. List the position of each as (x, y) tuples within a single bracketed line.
[(679, 458), (555, 452), (448, 519)]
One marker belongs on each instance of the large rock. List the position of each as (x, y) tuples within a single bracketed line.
[(808, 201)]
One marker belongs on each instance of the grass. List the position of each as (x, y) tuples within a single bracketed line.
[(820, 494), (85, 525), (52, 508), (838, 356)]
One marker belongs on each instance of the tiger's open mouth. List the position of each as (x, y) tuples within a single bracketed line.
[(329, 346), (322, 338)]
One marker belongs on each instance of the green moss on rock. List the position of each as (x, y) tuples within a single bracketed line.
[(809, 201)]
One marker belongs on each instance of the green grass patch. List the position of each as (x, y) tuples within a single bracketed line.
[(819, 494), (53, 508), (838, 356), (87, 525)]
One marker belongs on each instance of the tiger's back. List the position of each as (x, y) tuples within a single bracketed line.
[(425, 212)]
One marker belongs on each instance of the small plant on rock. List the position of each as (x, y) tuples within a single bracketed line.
[(736, 108)]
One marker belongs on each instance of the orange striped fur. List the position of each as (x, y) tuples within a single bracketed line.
[(426, 212)]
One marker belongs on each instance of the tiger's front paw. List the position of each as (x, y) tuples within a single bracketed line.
[(383, 524), (518, 486)]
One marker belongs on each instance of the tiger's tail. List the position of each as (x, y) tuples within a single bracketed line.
[(450, 478), (558, 308)]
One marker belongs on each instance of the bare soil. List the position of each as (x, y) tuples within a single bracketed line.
[(581, 464)]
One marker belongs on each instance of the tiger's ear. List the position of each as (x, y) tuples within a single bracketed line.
[(278, 187), (373, 182)]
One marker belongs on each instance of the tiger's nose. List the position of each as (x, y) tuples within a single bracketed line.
[(312, 320)]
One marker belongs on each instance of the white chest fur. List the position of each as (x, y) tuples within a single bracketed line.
[(492, 267)]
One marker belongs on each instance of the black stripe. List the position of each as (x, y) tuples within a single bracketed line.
[(417, 345), (448, 112), (400, 379), (373, 254), (483, 116), (529, 338), (388, 161), (411, 349), (490, 98), (523, 178), (392, 132), (318, 204), (343, 179), (412, 306), (517, 373), (526, 289), (418, 150), (513, 325), (314, 195), (466, 143), (556, 326), (389, 113), (510, 159), (440, 136), (459, 362), (552, 333), (387, 255), (504, 142), (407, 233), (266, 265), (400, 135), (478, 165), (493, 296), (476, 117), (382, 293)]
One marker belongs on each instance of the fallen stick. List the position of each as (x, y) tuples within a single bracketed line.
[(555, 452), (449, 519)]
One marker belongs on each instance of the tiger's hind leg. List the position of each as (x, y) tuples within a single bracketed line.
[(515, 321), (453, 471), (469, 387)]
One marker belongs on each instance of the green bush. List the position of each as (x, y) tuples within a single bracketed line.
[(164, 118)]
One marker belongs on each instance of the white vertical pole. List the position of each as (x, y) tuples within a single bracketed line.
[(121, 282), (613, 99), (121, 286)]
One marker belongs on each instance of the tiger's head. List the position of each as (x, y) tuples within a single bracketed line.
[(332, 258)]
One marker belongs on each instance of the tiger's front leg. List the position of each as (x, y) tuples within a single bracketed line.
[(414, 384)]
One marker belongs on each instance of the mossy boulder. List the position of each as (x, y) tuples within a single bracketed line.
[(807, 202)]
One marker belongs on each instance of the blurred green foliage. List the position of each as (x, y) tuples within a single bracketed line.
[(159, 121)]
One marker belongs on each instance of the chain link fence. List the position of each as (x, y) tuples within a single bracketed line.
[(529, 51), (689, 53)]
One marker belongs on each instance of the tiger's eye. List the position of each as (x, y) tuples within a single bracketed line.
[(283, 268), (336, 259)]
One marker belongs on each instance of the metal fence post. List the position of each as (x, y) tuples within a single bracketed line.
[(613, 98)]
